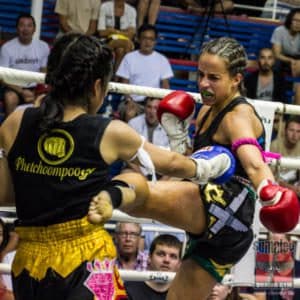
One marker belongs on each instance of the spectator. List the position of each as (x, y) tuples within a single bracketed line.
[(220, 292), (24, 53), (128, 109), (225, 292), (127, 239), (145, 66), (147, 125), (164, 256), (265, 84), (148, 9), (150, 235), (286, 45), (289, 146), (78, 16), (117, 26)]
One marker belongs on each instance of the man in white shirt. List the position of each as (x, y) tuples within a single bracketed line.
[(24, 53), (145, 67), (117, 27), (147, 125)]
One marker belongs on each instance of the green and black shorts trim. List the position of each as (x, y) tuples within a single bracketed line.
[(229, 210)]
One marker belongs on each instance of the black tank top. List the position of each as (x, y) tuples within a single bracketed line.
[(206, 138), (55, 174)]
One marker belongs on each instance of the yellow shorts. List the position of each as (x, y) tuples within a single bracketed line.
[(64, 248)]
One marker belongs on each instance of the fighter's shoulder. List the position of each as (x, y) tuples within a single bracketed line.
[(241, 114), (241, 110), (118, 129)]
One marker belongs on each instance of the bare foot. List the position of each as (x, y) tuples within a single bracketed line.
[(100, 209)]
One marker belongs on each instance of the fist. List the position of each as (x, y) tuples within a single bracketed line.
[(280, 207), (175, 112)]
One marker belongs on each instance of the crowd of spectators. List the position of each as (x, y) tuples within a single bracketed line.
[(128, 27)]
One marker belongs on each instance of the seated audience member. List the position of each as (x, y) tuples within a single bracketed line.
[(147, 10), (265, 83), (226, 292), (286, 45), (127, 239), (148, 126), (128, 109), (117, 26), (24, 53), (150, 235), (164, 256), (145, 66), (220, 292), (78, 16), (289, 146)]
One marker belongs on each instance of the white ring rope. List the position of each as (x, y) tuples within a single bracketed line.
[(119, 216), (20, 77), (164, 277)]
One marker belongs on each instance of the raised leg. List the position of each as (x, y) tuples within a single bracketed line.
[(176, 203)]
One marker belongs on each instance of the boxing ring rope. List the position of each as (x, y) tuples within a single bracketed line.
[(8, 214), (157, 276), (21, 77)]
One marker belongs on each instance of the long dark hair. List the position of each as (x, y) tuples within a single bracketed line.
[(75, 62)]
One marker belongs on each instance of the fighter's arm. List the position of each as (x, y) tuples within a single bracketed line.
[(280, 205), (240, 124), (120, 141)]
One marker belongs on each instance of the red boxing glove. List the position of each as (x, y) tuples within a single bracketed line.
[(175, 112), (280, 207)]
